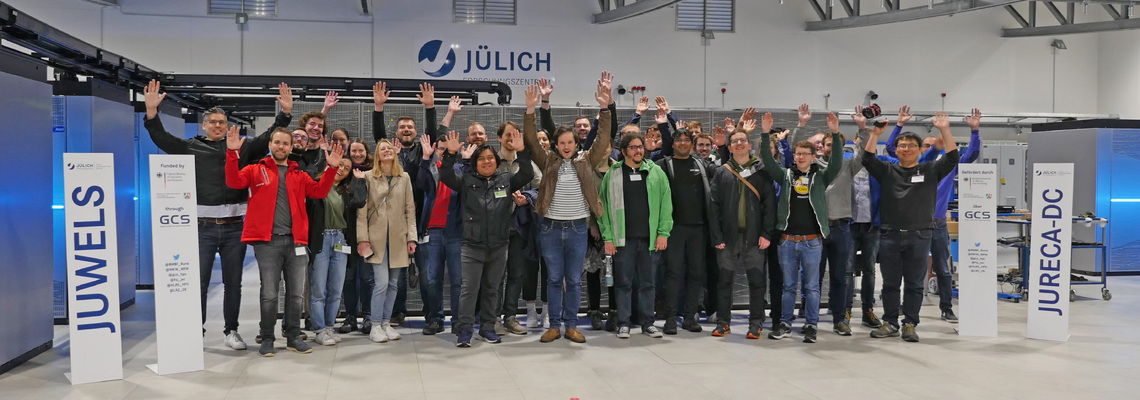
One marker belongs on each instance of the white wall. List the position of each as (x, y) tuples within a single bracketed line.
[(770, 61), (1119, 86)]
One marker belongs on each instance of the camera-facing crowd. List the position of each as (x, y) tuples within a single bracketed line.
[(662, 219)]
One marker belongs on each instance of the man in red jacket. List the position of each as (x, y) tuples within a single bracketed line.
[(277, 227)]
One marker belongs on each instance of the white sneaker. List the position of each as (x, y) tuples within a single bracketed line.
[(233, 341), (545, 316), (377, 335), (335, 334), (652, 331), (531, 317), (324, 338), (390, 332)]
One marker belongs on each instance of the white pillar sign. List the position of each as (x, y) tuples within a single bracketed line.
[(1050, 243), (92, 268), (977, 242), (177, 287)]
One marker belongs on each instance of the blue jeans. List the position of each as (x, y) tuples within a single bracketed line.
[(564, 249), (837, 256), (865, 238), (800, 262), (902, 256), (326, 280), (224, 240), (940, 262), (384, 291), (441, 250)]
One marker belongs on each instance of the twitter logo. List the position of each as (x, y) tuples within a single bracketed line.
[(176, 256)]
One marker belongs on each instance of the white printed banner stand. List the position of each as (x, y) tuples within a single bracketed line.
[(1050, 259), (177, 293), (95, 328), (977, 242)]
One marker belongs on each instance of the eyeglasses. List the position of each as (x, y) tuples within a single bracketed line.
[(635, 148), (739, 141), (906, 146)]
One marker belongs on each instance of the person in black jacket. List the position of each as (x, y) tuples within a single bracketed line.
[(747, 220), (693, 205), (487, 205), (330, 257), (220, 209)]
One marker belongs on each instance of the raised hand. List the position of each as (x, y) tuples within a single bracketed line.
[(805, 114), (878, 130), (661, 116), (359, 173), (152, 98), (860, 120), (285, 98), (748, 125), (427, 95), (455, 105), (782, 134), (323, 144), (331, 99), (832, 122), (642, 105), (399, 145), (452, 142), (469, 150), (904, 115), (545, 88), (233, 142), (662, 104), (335, 156), (531, 95), (766, 123), (941, 120), (427, 146), (973, 120), (749, 113), (729, 125), (380, 95), (520, 200), (604, 93), (719, 137)]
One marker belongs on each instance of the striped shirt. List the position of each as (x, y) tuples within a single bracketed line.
[(569, 203)]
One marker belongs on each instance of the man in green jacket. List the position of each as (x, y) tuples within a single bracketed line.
[(635, 226), (802, 216)]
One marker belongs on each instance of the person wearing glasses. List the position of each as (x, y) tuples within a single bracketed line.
[(802, 216)]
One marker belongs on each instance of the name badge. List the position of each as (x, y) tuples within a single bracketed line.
[(918, 179), (500, 194), (300, 250), (425, 239), (341, 248), (635, 178), (745, 173)]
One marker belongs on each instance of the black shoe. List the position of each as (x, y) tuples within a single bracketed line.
[(755, 329), (722, 329), (455, 330), (690, 324), (949, 316), (266, 349), (366, 327), (870, 320), (670, 326), (464, 335), (432, 327), (842, 328), (258, 339), (611, 321), (398, 319), (780, 331), (809, 333), (596, 320), (298, 345), (885, 330), (908, 333), (348, 326)]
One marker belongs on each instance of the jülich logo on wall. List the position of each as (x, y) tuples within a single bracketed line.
[(430, 52), (437, 60)]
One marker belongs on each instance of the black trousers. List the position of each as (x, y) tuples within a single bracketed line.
[(775, 278), (735, 257), (685, 261)]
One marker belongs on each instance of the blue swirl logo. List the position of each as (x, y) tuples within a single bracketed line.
[(430, 58)]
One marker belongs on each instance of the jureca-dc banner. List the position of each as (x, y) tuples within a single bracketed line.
[(1050, 245)]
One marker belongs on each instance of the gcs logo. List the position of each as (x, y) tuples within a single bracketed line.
[(174, 219), (977, 215), (430, 52)]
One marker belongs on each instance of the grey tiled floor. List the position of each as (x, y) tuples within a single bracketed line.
[(1099, 362)]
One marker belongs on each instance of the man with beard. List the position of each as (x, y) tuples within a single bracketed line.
[(277, 227)]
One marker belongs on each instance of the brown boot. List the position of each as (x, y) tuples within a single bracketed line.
[(575, 336), (551, 335)]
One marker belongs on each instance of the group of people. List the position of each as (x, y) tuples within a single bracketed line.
[(664, 219)]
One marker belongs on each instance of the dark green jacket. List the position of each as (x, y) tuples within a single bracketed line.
[(817, 183)]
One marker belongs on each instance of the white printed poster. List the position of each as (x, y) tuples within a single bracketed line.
[(977, 244), (92, 268)]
